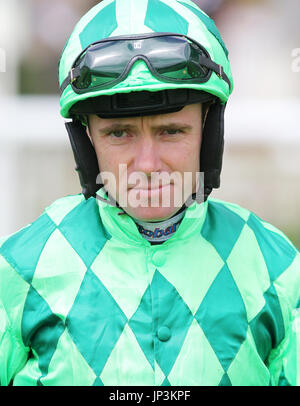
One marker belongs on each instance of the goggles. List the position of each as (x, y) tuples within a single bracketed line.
[(170, 58)]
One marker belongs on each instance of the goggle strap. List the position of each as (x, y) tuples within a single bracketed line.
[(218, 69)]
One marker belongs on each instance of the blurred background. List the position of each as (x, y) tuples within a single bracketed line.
[(261, 169)]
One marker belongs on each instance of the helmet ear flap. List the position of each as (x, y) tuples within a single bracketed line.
[(211, 155), (85, 158)]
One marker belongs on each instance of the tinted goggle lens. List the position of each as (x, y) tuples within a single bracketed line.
[(169, 57)]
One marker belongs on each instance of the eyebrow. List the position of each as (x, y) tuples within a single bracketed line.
[(116, 127), (119, 126)]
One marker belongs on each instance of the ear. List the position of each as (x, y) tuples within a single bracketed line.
[(205, 110), (88, 130)]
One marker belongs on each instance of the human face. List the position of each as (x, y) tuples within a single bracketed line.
[(163, 145)]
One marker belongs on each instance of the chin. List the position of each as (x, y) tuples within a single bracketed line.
[(151, 213)]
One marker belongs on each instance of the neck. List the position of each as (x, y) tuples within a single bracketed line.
[(160, 231)]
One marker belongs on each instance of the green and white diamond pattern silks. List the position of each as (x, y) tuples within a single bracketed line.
[(86, 300)]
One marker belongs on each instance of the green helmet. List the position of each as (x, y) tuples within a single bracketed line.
[(112, 18), (144, 87)]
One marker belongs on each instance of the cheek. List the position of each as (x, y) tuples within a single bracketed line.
[(187, 156), (109, 166), (113, 170), (109, 169), (106, 159)]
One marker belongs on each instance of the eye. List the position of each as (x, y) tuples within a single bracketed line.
[(118, 134), (172, 131)]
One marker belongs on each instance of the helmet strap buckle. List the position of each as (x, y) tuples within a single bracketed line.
[(72, 77), (220, 74)]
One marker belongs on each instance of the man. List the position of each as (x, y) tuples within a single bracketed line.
[(162, 144), (143, 279)]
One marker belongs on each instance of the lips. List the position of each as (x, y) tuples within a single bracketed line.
[(151, 192), (150, 187)]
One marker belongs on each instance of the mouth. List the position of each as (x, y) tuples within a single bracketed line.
[(150, 187), (151, 191)]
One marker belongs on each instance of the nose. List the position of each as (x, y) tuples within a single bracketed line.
[(147, 156)]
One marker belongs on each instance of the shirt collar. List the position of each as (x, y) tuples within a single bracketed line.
[(159, 231), (123, 227)]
